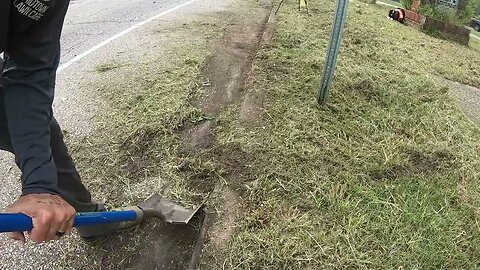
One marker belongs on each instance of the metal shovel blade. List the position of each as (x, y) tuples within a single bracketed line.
[(169, 211)]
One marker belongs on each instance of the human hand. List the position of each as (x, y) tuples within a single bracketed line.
[(52, 217)]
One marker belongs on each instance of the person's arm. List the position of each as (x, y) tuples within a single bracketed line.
[(32, 56), (28, 96)]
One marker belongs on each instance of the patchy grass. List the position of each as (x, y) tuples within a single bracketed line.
[(138, 141), (108, 66), (386, 175), (475, 44), (136, 147)]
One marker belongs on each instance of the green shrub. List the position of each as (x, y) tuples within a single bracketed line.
[(407, 4), (473, 8), (446, 14), (439, 12)]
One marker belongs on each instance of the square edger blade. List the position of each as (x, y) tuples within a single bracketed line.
[(171, 212)]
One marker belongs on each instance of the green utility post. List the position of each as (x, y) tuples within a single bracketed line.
[(333, 49)]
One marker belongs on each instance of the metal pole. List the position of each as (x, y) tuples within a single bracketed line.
[(333, 49)]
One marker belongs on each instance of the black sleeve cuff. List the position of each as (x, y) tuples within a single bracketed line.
[(34, 190)]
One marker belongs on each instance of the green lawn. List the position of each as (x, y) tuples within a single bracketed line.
[(385, 176)]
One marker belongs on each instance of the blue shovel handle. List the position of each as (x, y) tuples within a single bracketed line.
[(23, 223)]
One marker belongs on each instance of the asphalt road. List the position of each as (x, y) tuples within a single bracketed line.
[(88, 23)]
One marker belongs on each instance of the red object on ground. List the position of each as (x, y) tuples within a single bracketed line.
[(401, 15)]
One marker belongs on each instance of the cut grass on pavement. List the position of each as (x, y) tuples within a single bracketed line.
[(134, 151), (385, 176)]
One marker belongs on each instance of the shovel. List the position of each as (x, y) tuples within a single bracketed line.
[(155, 206)]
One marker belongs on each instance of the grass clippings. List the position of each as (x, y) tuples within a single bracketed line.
[(108, 66), (135, 150), (385, 175)]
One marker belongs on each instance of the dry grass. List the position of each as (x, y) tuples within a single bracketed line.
[(136, 148), (384, 176)]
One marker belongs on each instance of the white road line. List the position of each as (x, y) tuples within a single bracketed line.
[(124, 32)]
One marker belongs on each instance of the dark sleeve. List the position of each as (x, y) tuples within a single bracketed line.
[(32, 56), (4, 18)]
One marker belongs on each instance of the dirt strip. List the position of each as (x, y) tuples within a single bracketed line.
[(227, 74)]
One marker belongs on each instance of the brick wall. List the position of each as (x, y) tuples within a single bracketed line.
[(414, 17), (450, 31)]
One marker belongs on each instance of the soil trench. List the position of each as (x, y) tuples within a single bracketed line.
[(227, 72), (168, 246), (228, 68)]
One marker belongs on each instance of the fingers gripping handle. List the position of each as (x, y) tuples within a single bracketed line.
[(23, 223)]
